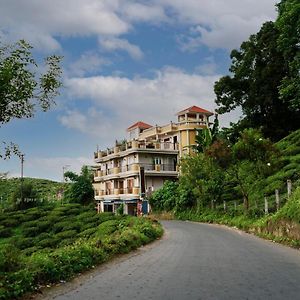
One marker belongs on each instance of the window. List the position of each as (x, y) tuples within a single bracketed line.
[(157, 161)]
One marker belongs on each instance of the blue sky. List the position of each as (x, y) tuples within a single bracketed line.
[(124, 61)]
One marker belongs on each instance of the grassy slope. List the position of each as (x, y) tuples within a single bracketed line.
[(46, 189), (43, 245)]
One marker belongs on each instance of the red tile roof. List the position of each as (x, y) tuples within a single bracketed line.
[(139, 124), (195, 109)]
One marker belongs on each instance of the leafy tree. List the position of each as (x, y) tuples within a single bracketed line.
[(251, 157), (258, 69), (24, 196), (288, 24), (206, 136), (21, 89), (81, 189), (166, 197)]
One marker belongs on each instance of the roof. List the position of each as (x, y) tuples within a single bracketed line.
[(139, 124), (196, 109)]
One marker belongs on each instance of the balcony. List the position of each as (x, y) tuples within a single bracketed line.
[(134, 145), (118, 191)]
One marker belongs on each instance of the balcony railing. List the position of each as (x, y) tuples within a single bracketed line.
[(120, 191), (136, 145), (135, 168)]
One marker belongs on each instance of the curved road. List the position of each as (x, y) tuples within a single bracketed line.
[(196, 261)]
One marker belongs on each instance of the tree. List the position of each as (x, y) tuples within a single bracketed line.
[(250, 158), (81, 189), (288, 24), (258, 69), (24, 196), (22, 90), (206, 136)]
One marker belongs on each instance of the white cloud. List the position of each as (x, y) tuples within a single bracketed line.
[(40, 21), (219, 23), (134, 11), (208, 67), (88, 63), (118, 101), (113, 44)]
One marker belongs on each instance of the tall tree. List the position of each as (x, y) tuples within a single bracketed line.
[(258, 69), (23, 87), (288, 24)]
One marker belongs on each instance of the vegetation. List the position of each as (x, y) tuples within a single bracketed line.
[(21, 90), (46, 190), (81, 189), (264, 78), (228, 184), (43, 245)]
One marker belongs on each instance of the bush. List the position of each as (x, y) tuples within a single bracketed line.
[(88, 232), (5, 232), (30, 231), (9, 222), (66, 234), (49, 242), (23, 243)]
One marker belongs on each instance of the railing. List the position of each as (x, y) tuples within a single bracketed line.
[(137, 145), (118, 191)]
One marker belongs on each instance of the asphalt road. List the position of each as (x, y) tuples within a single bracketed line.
[(197, 261)]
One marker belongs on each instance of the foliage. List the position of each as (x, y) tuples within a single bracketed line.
[(258, 69), (165, 198), (24, 196), (21, 90), (288, 24), (47, 190), (81, 189), (206, 136), (47, 257)]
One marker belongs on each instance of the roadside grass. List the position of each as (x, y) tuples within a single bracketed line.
[(45, 245)]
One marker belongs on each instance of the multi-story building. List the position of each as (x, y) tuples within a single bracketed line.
[(131, 170)]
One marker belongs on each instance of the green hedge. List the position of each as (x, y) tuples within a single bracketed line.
[(22, 271)]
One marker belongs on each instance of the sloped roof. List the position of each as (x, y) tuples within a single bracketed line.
[(196, 109), (139, 124)]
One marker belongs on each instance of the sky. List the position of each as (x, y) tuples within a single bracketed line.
[(123, 61)]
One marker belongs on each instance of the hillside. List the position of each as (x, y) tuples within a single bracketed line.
[(288, 167), (46, 189)]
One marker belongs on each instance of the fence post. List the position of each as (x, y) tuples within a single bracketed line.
[(224, 205), (212, 204), (289, 188), (266, 206), (277, 199), (235, 205)]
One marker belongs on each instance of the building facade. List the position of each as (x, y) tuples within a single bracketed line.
[(129, 172)]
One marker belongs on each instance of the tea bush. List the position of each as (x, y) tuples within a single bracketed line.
[(44, 246)]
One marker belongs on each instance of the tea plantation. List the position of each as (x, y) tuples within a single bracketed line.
[(47, 244)]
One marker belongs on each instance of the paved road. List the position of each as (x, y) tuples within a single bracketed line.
[(198, 261)]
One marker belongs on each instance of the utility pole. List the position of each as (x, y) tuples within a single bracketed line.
[(22, 173)]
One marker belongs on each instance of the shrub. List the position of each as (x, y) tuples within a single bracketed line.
[(23, 243), (49, 242), (30, 231), (5, 232), (9, 222), (88, 232), (10, 258), (66, 234)]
